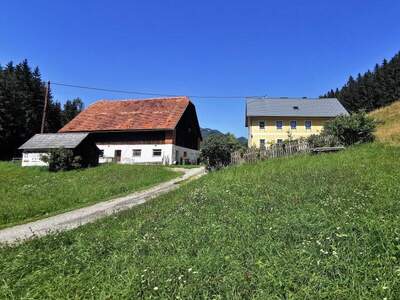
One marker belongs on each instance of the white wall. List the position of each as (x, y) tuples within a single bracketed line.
[(191, 154), (146, 155), (31, 159), (168, 152)]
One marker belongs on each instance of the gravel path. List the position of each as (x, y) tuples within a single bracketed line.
[(78, 217)]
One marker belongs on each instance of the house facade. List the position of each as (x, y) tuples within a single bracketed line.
[(158, 130), (273, 120)]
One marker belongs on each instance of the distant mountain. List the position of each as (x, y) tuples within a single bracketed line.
[(242, 140), (205, 132)]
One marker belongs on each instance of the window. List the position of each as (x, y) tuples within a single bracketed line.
[(279, 124), (101, 154), (307, 124), (137, 152), (279, 141), (156, 152), (293, 124), (261, 124), (184, 154), (262, 143)]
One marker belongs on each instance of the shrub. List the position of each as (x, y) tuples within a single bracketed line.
[(216, 151), (62, 160), (353, 129), (323, 140)]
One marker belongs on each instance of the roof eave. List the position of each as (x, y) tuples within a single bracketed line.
[(118, 130)]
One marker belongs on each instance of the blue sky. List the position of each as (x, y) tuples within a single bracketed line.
[(274, 48)]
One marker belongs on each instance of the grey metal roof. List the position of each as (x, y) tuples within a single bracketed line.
[(54, 140), (294, 107)]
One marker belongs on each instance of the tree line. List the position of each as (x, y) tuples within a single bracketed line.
[(371, 90), (22, 93)]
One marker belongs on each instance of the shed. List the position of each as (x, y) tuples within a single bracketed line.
[(40, 144)]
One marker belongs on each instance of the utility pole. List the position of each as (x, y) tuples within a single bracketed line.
[(46, 99)]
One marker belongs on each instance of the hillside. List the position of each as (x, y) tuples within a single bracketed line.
[(389, 123), (205, 132), (306, 227)]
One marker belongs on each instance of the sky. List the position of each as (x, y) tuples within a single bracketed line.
[(286, 48)]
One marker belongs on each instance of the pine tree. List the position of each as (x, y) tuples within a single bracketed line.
[(71, 109), (371, 90), (22, 94)]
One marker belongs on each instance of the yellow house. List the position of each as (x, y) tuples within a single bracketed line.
[(273, 120)]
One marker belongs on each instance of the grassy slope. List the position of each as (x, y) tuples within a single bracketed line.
[(322, 226), (31, 193), (389, 127)]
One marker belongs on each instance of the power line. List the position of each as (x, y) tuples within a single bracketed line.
[(144, 93)]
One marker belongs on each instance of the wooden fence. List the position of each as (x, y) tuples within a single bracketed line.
[(277, 150)]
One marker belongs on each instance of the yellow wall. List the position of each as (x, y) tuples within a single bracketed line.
[(271, 134)]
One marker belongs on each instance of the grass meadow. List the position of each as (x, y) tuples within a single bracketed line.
[(30, 193), (306, 227)]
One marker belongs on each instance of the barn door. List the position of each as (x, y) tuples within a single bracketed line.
[(117, 155)]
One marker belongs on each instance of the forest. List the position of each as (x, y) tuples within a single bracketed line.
[(22, 93), (371, 90)]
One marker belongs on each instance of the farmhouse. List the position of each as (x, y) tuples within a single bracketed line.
[(158, 130), (273, 120), (40, 144)]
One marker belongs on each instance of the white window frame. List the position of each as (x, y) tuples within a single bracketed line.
[(276, 124), (279, 141), (133, 152), (259, 125), (305, 124), (157, 149), (265, 142), (295, 124)]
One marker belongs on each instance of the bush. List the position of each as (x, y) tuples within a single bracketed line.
[(62, 160), (216, 150), (322, 140), (357, 128)]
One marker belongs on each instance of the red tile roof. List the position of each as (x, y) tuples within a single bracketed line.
[(131, 114)]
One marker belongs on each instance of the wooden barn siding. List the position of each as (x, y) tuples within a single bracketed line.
[(188, 131)]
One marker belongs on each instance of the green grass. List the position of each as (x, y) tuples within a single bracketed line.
[(186, 166), (307, 227), (31, 193)]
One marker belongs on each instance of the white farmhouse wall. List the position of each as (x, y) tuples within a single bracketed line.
[(191, 155), (32, 159), (127, 153), (168, 153)]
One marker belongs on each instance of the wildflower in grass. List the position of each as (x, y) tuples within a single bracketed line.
[(190, 270), (323, 251), (155, 288)]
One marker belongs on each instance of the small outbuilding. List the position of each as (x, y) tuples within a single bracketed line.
[(41, 144)]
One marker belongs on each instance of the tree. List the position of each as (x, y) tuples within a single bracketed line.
[(371, 90), (352, 129), (22, 93), (71, 109), (217, 148)]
